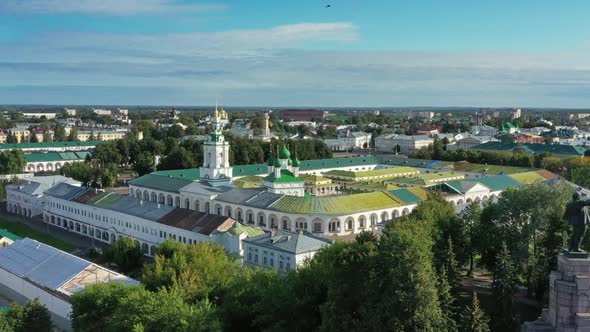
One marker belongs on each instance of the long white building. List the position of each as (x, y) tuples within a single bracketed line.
[(27, 197)]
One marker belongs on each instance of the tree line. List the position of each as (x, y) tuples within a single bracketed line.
[(33, 316)]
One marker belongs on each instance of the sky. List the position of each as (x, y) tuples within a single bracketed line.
[(357, 53)]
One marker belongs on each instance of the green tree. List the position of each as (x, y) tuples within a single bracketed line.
[(93, 307), (33, 138), (35, 317), (109, 175), (126, 253), (503, 289), (79, 171), (202, 271), (144, 164), (108, 153), (447, 301), (470, 219), (12, 162), (5, 323), (451, 268), (473, 318), (92, 137), (47, 136), (73, 136), (178, 158)]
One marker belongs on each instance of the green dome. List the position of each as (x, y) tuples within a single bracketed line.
[(296, 162), (278, 163), (289, 162), (284, 153), (270, 161)]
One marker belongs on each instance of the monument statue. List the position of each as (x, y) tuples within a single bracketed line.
[(577, 216)]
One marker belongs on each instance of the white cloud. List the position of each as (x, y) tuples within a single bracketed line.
[(272, 67), (103, 7)]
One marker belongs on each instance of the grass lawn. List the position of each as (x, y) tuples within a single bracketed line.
[(25, 231)]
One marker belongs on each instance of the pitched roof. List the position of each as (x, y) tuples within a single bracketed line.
[(533, 148), (498, 182), (49, 267), (39, 184), (43, 145), (291, 242), (239, 228), (337, 204), (286, 176), (198, 222), (165, 183), (34, 157), (406, 196)]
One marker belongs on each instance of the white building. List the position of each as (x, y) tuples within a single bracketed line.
[(102, 112), (468, 142), (394, 143), (30, 270), (349, 141), (27, 198), (70, 111), (38, 115), (106, 216), (283, 250), (216, 169), (484, 130)]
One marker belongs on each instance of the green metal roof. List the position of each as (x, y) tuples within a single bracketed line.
[(7, 234), (337, 204), (55, 156), (105, 200), (161, 182), (286, 176), (376, 172), (42, 145), (498, 182), (533, 148), (239, 228), (406, 196)]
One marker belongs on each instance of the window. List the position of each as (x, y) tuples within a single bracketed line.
[(264, 260), (288, 266), (256, 258), (249, 256), (272, 262), (281, 265)]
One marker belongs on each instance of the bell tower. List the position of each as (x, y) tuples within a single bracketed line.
[(216, 169)]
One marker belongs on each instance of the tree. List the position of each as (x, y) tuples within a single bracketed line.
[(59, 133), (73, 136), (178, 158), (447, 301), (503, 289), (203, 271), (35, 317), (92, 137), (94, 306), (79, 171), (108, 153), (126, 253), (473, 318), (33, 138), (451, 268), (470, 218), (47, 136), (109, 175), (144, 164), (12, 162)]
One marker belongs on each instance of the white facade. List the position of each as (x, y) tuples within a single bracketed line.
[(402, 143), (484, 130), (28, 197), (39, 115), (216, 168), (103, 112)]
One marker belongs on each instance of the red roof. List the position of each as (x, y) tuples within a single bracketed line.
[(199, 222)]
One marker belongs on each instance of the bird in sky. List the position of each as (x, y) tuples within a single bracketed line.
[(328, 6)]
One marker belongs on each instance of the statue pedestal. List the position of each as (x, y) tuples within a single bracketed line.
[(569, 297)]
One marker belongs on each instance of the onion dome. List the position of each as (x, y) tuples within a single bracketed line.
[(284, 153), (270, 161), (289, 162), (278, 163), (296, 162)]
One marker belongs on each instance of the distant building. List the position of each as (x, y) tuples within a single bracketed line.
[(349, 141), (394, 143), (70, 111), (7, 238), (281, 249), (102, 112), (469, 142), (50, 146), (22, 135), (425, 115), (27, 197), (529, 138), (302, 114), (38, 115), (30, 269), (561, 151), (484, 130), (516, 113), (52, 161), (507, 127)]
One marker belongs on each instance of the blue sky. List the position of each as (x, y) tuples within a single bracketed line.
[(296, 53)]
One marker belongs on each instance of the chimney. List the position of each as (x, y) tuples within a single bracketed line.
[(158, 205)]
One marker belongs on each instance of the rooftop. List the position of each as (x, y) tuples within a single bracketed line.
[(34, 157), (39, 184), (42, 145), (54, 269), (291, 242)]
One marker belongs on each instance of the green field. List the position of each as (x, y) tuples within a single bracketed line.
[(25, 231)]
